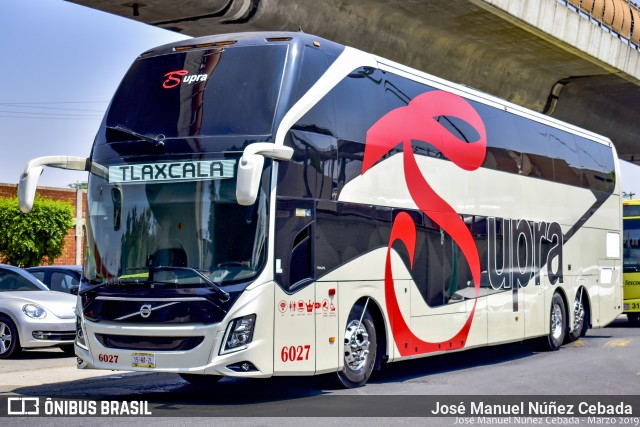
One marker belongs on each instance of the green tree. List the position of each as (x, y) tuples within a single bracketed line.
[(29, 239), (79, 185)]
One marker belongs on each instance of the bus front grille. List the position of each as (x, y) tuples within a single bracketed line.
[(127, 342)]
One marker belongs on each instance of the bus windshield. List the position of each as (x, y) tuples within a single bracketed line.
[(631, 245), (161, 197), (172, 234)]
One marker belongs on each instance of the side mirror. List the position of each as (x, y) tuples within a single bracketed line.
[(29, 178), (250, 168)]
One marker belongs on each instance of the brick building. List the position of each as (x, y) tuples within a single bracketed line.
[(73, 241)]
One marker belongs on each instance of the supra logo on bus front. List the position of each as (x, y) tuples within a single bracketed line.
[(174, 78), (145, 310)]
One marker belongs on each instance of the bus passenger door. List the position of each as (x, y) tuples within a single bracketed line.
[(295, 295)]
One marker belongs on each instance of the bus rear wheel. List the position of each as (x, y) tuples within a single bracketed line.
[(360, 346), (558, 324), (633, 317), (581, 318)]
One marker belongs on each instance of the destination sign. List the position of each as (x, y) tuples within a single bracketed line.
[(173, 171)]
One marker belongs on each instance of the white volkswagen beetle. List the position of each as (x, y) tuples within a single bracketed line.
[(33, 316)]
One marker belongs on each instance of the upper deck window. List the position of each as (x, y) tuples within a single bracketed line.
[(207, 92)]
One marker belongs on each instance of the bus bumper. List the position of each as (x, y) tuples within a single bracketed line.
[(186, 348), (199, 360)]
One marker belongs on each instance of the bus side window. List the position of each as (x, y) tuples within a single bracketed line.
[(300, 264), (504, 151), (295, 220), (537, 153), (312, 169), (566, 162), (311, 172), (596, 161)]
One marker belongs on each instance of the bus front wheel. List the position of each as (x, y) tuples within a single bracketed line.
[(359, 348), (633, 317), (558, 324)]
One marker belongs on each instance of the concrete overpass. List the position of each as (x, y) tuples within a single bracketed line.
[(576, 60)]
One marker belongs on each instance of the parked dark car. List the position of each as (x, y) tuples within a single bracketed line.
[(61, 278)]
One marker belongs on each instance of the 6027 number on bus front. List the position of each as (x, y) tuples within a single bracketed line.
[(295, 353)]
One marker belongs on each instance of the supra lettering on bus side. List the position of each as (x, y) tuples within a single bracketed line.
[(526, 247)]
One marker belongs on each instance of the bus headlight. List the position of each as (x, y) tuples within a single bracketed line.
[(80, 340), (239, 333)]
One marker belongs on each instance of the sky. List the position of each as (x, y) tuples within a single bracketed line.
[(61, 64)]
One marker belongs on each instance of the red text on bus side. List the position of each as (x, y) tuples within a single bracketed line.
[(295, 353)]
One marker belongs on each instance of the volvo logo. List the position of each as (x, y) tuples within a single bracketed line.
[(145, 310)]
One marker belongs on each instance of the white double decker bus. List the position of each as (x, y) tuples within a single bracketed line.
[(268, 204)]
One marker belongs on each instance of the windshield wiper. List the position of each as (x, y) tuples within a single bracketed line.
[(95, 284), (158, 141), (223, 297)]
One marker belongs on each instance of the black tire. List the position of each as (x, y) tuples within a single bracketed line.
[(633, 318), (201, 380), (580, 318), (9, 340), (557, 323), (360, 348)]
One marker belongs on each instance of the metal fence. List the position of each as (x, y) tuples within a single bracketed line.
[(620, 17)]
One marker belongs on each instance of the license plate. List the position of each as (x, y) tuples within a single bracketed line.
[(143, 360), (626, 307)]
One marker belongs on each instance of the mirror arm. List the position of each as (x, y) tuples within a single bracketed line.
[(29, 179), (269, 150), (250, 168)]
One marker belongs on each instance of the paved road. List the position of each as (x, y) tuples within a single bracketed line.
[(605, 362)]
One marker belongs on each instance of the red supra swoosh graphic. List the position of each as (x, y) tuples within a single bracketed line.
[(417, 121)]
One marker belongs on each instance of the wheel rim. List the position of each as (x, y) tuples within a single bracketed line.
[(5, 338), (356, 345), (556, 322), (578, 313)]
